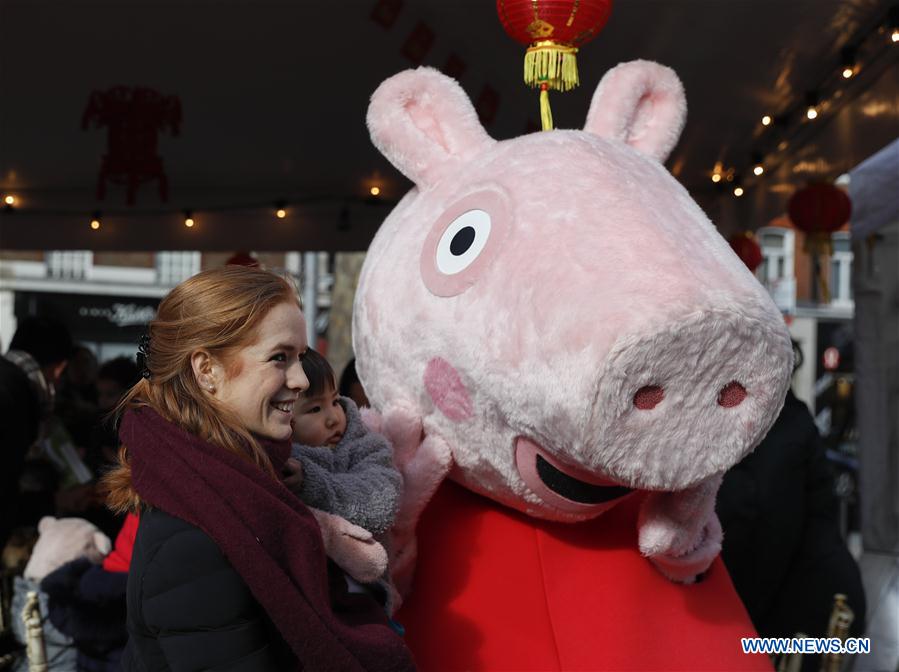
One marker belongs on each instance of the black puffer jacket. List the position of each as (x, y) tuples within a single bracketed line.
[(189, 610), (782, 544)]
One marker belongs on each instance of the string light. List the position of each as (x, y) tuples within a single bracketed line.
[(280, 209), (848, 62), (758, 167), (811, 100), (824, 99), (375, 191), (95, 221), (188, 219)]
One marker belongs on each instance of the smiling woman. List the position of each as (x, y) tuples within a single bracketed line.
[(229, 566)]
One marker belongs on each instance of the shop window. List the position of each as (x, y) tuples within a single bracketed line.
[(175, 267), (776, 271), (841, 270), (69, 264)]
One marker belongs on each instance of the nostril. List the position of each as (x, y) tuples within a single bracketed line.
[(648, 397), (731, 395)]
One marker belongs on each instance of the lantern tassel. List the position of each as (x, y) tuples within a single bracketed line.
[(552, 64), (546, 113)]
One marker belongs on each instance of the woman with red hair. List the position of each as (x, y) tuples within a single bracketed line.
[(229, 568)]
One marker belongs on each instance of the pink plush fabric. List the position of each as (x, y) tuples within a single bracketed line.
[(561, 273), (447, 391)]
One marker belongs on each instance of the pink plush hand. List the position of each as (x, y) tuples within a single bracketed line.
[(423, 461), (371, 419), (679, 531), (353, 548)]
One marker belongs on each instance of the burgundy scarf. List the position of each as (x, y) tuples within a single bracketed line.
[(269, 537)]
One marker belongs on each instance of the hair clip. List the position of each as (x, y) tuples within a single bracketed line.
[(143, 356)]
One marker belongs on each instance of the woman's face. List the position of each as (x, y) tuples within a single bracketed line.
[(265, 378)]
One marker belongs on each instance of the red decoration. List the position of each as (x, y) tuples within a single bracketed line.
[(747, 248), (455, 66), (553, 31), (386, 12), (133, 117), (568, 22), (819, 208), (242, 259), (419, 43)]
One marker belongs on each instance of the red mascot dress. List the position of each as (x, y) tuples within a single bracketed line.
[(498, 590)]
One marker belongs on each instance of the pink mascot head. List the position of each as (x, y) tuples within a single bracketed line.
[(560, 315)]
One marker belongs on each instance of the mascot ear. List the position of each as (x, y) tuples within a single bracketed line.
[(423, 122), (642, 104)]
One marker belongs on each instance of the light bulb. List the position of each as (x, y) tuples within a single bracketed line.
[(811, 113), (738, 191), (375, 191), (895, 36), (716, 177), (758, 170), (766, 120), (95, 224), (10, 200), (281, 213), (847, 72), (189, 222)]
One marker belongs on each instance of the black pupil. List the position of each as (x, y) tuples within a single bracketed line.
[(462, 241)]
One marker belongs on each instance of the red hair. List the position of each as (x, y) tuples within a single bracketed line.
[(218, 311)]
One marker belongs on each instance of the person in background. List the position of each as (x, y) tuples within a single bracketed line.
[(782, 544), (76, 396), (228, 569), (350, 385), (38, 354), (114, 379)]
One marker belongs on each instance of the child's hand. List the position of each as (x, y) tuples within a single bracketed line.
[(292, 473)]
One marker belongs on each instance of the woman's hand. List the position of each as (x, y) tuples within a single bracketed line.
[(292, 474)]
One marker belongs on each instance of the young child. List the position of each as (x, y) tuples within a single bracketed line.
[(337, 465)]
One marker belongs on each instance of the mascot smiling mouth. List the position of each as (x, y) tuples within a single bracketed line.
[(562, 486)]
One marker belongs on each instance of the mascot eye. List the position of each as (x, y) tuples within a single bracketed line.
[(463, 241)]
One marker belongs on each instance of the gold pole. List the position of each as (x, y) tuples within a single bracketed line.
[(840, 619), (34, 633)]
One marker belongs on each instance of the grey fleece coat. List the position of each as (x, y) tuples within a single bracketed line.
[(356, 479)]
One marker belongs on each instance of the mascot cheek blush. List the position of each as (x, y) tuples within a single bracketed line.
[(551, 330)]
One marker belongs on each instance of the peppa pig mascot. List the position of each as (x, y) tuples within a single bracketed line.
[(567, 356)]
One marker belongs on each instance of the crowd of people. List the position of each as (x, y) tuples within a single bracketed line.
[(220, 503)]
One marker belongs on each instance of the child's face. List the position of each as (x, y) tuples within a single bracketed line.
[(319, 420)]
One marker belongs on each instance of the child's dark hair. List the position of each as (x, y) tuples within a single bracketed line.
[(319, 373)]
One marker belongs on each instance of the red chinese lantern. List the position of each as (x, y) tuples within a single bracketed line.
[(553, 30), (747, 248), (819, 209)]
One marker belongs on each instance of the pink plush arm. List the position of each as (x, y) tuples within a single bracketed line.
[(680, 532), (353, 548), (424, 461)]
